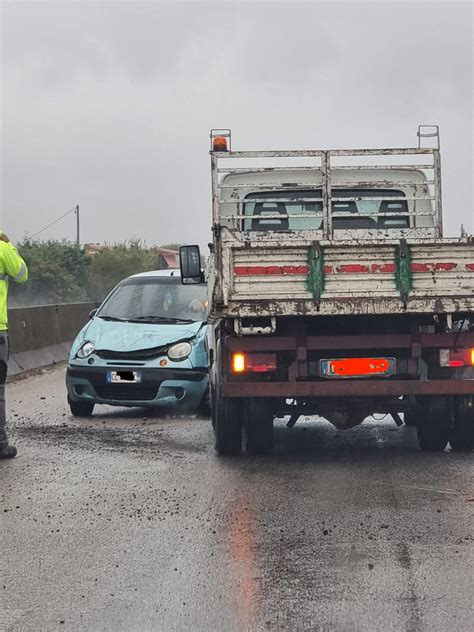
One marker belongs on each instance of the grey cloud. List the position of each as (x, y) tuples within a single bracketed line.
[(110, 104)]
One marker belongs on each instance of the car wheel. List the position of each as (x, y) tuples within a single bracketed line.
[(81, 409), (204, 409)]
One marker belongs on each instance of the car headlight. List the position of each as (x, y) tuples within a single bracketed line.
[(86, 350), (179, 351)]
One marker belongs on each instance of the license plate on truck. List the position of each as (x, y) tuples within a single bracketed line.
[(357, 367), (124, 377)]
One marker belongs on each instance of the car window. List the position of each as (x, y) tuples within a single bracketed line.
[(141, 297)]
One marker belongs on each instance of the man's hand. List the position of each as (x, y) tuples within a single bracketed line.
[(4, 237)]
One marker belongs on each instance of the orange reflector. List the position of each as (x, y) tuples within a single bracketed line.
[(219, 143), (472, 357), (238, 363)]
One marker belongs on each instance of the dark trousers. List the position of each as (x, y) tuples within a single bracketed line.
[(3, 377)]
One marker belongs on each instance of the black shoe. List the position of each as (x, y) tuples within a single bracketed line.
[(7, 451)]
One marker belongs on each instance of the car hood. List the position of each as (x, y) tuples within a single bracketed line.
[(117, 336)]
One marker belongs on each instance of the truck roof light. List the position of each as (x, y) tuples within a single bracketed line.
[(219, 143)]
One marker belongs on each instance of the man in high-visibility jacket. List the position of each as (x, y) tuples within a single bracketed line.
[(12, 267)]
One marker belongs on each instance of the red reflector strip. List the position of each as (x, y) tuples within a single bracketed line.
[(349, 268), (270, 270), (433, 267), (456, 363)]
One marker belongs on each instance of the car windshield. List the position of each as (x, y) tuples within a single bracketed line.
[(155, 299), (308, 215)]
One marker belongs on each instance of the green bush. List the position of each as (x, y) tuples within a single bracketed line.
[(60, 272), (57, 274)]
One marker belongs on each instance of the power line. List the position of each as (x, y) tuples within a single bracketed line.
[(73, 210)]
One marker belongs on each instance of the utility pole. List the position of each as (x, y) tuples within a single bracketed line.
[(78, 226)]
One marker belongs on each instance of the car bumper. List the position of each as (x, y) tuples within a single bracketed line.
[(175, 389)]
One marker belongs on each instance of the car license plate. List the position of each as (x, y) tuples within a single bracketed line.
[(357, 367), (124, 377)]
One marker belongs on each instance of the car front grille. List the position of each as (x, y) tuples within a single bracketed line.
[(127, 392), (140, 354)]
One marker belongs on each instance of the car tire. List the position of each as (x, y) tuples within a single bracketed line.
[(81, 409), (461, 435), (433, 425), (258, 426), (204, 409)]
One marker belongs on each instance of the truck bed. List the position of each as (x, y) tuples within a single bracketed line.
[(351, 277)]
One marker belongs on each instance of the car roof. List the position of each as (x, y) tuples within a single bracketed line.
[(157, 273)]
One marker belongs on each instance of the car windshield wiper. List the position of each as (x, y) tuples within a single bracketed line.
[(114, 318), (160, 319)]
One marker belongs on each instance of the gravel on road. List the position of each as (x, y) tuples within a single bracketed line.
[(128, 521)]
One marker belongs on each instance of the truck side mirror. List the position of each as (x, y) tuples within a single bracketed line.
[(93, 312), (190, 265)]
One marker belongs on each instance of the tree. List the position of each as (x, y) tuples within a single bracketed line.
[(57, 273), (110, 266), (171, 246)]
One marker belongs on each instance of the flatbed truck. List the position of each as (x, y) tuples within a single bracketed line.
[(333, 292)]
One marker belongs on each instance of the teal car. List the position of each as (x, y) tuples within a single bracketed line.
[(144, 346)]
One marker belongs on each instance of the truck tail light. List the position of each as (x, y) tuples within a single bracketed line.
[(253, 362), (456, 357), (238, 363)]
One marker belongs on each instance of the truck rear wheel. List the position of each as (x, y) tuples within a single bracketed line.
[(227, 422), (258, 426), (410, 417), (461, 436), (432, 426)]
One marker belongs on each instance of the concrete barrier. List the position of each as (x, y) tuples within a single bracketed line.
[(41, 336)]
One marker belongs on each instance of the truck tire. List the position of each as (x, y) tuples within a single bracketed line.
[(461, 436), (81, 409), (227, 422), (258, 426), (410, 417), (432, 426)]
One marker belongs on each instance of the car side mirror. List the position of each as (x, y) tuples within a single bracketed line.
[(93, 312), (190, 265)]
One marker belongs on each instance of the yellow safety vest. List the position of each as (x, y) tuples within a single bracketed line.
[(13, 267)]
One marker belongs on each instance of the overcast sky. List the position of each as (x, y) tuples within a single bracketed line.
[(109, 104)]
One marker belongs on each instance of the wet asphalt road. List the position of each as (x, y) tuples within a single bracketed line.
[(129, 522)]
